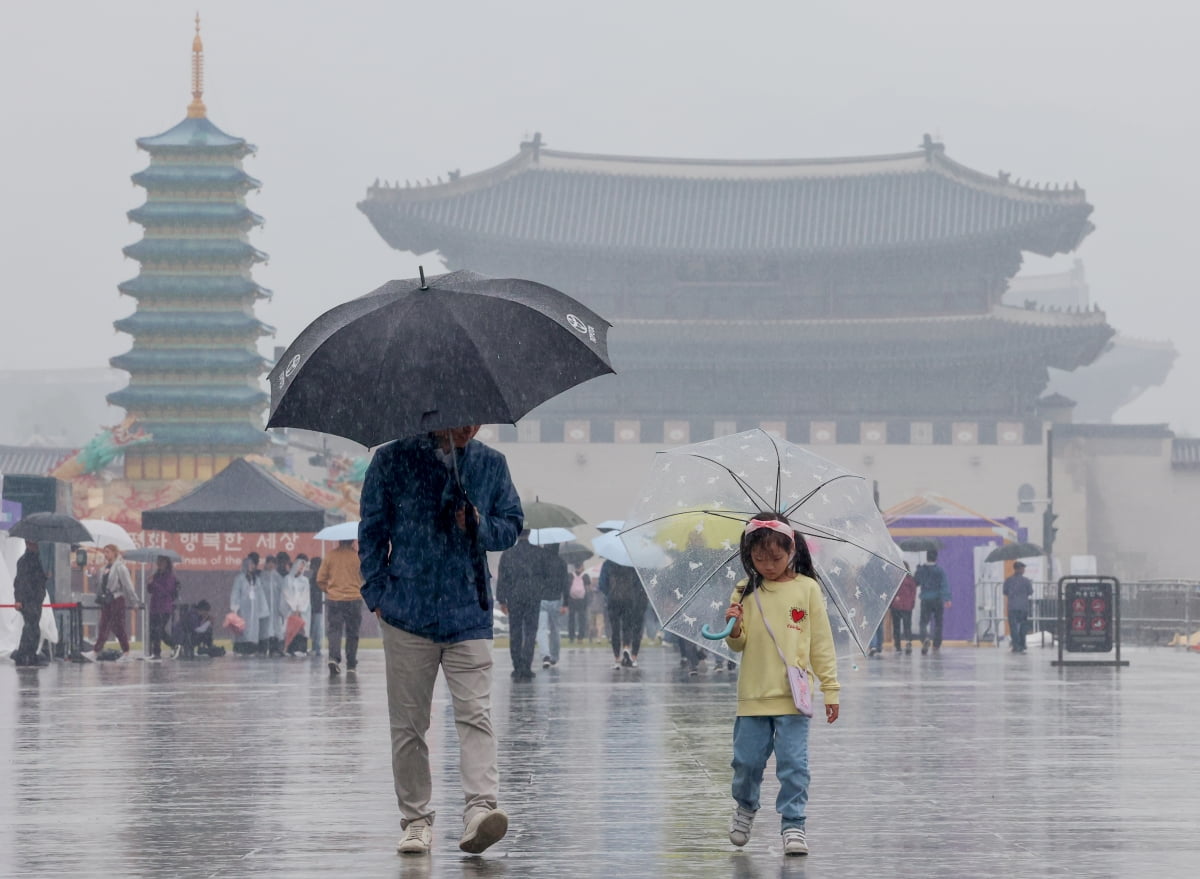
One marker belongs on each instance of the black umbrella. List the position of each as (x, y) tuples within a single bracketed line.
[(573, 552), (919, 544), (1012, 551), (50, 528), (417, 355)]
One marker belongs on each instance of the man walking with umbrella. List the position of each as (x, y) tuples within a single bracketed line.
[(431, 507)]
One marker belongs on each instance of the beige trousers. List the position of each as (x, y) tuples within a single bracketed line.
[(412, 665)]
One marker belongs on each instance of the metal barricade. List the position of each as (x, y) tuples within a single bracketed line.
[(1158, 612)]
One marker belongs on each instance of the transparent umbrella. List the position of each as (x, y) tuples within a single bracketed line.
[(716, 487)]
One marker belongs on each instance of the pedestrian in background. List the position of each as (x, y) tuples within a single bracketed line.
[(249, 600), (29, 592), (935, 598), (294, 599), (626, 601), (163, 590), (577, 604), (518, 592), (316, 601), (1018, 589), (901, 610), (116, 583), (340, 580), (555, 593)]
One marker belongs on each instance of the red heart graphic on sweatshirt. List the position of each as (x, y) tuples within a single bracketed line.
[(798, 615)]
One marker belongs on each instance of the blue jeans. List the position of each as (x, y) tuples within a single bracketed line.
[(754, 738), (549, 636), (1018, 621)]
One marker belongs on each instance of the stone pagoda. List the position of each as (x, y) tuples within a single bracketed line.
[(194, 366)]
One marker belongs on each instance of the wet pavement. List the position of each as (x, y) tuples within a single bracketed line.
[(968, 763)]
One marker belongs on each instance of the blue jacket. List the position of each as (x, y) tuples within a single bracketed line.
[(935, 586), (419, 569)]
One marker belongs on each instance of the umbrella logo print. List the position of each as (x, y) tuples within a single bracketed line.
[(581, 326), (292, 366)]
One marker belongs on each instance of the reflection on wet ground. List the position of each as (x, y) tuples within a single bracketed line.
[(972, 762)]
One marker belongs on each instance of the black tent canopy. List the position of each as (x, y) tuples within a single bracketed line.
[(242, 497)]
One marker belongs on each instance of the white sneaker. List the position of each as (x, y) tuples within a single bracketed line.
[(124, 657), (88, 656), (483, 831), (739, 827), (153, 659), (417, 839), (175, 651), (794, 841)]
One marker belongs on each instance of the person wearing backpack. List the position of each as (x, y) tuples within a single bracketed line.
[(577, 605), (627, 603)]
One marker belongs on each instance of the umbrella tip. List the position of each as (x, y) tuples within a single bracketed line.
[(421, 269)]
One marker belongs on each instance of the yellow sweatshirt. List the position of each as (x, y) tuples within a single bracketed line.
[(339, 577), (796, 611)]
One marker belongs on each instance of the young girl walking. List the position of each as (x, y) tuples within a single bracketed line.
[(779, 608)]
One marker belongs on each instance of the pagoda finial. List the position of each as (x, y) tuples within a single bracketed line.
[(196, 109)]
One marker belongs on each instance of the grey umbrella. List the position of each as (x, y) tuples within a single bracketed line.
[(51, 528), (1012, 551)]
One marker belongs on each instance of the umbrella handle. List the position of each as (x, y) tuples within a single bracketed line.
[(718, 636)]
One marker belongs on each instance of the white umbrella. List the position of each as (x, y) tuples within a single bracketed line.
[(611, 525), (610, 546), (544, 536), (104, 533), (341, 531)]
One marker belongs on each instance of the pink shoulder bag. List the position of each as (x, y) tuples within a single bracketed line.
[(797, 677)]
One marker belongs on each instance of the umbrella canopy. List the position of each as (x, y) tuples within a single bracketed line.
[(920, 544), (720, 485), (547, 536), (611, 525), (541, 514), (419, 355), (610, 546), (50, 528), (574, 553), (242, 497), (151, 554), (104, 533), (340, 531), (1013, 551)]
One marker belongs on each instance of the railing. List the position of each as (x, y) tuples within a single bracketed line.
[(1153, 612)]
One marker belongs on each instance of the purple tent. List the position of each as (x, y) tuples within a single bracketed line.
[(959, 536)]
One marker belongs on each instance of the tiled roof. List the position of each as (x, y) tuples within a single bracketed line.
[(191, 213), (569, 200), (192, 322), (195, 134), (175, 359), (220, 433), (141, 396), (218, 250), (199, 177), (1018, 336), (199, 286), (31, 460)]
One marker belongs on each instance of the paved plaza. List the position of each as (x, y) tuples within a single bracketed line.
[(974, 762)]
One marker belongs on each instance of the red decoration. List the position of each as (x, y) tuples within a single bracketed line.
[(798, 615)]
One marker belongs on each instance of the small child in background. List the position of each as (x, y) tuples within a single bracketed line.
[(787, 614)]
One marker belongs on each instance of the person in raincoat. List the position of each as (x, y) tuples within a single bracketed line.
[(249, 601), (114, 581), (296, 603), (431, 507), (29, 591), (275, 569), (163, 589)]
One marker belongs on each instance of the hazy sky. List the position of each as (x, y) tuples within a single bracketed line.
[(336, 95)]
